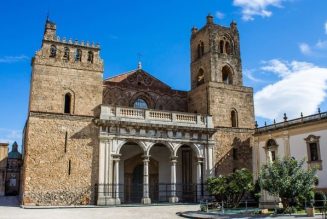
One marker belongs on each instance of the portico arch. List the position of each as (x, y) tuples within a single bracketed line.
[(168, 145), (141, 144), (194, 147)]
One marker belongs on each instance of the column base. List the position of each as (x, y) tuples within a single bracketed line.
[(106, 201), (146, 201), (173, 199)]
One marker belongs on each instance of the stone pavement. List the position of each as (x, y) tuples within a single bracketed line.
[(135, 212)]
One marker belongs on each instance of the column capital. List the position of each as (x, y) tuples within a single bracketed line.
[(200, 159), (146, 158), (116, 157), (173, 159)]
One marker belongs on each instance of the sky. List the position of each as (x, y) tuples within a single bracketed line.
[(283, 47)]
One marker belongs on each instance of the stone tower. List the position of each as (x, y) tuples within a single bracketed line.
[(60, 139), (217, 89)]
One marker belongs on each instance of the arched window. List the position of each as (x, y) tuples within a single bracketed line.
[(271, 149), (68, 102), (221, 46), (200, 77), (234, 119), (53, 51), (66, 53), (227, 48), (78, 55), (227, 75), (90, 57), (140, 104)]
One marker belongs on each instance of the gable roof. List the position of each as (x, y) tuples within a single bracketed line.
[(137, 76)]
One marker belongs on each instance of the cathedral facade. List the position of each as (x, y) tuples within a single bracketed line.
[(131, 138)]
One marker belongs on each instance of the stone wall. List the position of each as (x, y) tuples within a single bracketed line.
[(48, 178), (227, 139)]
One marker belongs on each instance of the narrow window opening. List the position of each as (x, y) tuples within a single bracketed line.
[(200, 77), (78, 55), (199, 51), (66, 139), (53, 51), (66, 53), (69, 167), (221, 46), (313, 151), (90, 57), (234, 118), (202, 48), (68, 100)]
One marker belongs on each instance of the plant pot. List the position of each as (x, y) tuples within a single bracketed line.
[(310, 212)]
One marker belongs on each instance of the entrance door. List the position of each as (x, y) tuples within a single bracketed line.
[(137, 184), (187, 179)]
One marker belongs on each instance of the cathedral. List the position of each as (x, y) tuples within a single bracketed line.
[(131, 138)]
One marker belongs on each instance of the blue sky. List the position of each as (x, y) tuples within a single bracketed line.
[(283, 47)]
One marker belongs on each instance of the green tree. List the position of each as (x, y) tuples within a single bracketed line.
[(288, 180), (231, 188)]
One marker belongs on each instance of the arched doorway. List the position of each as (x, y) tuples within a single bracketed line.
[(186, 174), (133, 179)]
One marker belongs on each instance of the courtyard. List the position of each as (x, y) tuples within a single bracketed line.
[(152, 211)]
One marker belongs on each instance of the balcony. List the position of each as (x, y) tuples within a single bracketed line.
[(125, 114)]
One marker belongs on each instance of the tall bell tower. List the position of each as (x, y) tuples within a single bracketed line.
[(217, 89)]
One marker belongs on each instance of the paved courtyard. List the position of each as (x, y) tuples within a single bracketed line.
[(157, 212)]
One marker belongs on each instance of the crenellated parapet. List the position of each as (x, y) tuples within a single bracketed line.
[(62, 52)]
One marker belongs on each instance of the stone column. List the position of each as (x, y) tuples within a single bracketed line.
[(146, 198), (210, 160), (101, 192), (199, 177), (173, 198), (116, 159)]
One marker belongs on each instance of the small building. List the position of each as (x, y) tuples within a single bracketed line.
[(3, 165), (14, 163), (301, 138)]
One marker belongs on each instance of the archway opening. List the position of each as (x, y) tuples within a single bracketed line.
[(200, 77), (186, 174), (227, 75), (159, 182)]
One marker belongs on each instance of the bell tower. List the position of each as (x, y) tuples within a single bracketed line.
[(217, 89)]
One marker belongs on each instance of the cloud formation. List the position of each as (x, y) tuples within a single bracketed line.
[(251, 8), (220, 15), (302, 88), (305, 49), (326, 27), (13, 59)]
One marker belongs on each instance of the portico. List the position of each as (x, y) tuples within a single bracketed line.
[(152, 156)]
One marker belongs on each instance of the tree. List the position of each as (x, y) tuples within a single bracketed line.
[(288, 180), (232, 188)]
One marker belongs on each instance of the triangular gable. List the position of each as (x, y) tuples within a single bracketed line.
[(137, 77)]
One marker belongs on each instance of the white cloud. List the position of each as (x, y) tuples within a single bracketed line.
[(321, 44), (302, 89), (305, 49), (13, 59), (249, 74), (10, 136), (326, 27), (220, 15), (276, 66), (251, 8)]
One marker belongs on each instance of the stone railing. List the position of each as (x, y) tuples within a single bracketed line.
[(155, 117), (292, 122)]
